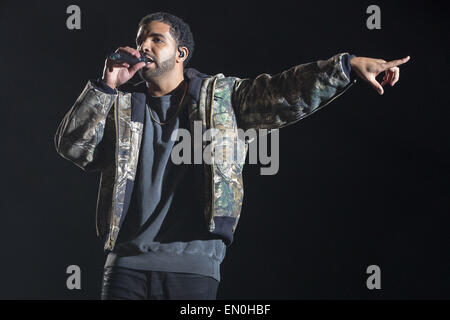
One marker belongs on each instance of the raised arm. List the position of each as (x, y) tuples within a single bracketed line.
[(79, 137)]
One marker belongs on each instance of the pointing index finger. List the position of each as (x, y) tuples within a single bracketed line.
[(395, 63)]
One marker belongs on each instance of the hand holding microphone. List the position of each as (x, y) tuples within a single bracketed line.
[(122, 56), (122, 65)]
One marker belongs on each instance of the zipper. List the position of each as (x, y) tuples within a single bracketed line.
[(116, 122), (211, 122), (212, 166)]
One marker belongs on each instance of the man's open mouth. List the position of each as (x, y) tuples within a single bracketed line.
[(150, 59)]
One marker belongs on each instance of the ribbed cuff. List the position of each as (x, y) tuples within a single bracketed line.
[(346, 65), (101, 85)]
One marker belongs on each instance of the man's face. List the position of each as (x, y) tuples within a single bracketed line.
[(155, 40)]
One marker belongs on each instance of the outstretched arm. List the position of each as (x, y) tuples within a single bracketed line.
[(275, 101)]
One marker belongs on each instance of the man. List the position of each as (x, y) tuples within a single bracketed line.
[(166, 226)]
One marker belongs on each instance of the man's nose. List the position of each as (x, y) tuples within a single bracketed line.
[(146, 50), (144, 47)]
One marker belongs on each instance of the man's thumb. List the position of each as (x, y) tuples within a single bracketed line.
[(374, 83)]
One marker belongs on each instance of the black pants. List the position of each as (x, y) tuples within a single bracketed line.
[(128, 284)]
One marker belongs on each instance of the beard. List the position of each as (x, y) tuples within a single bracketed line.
[(159, 69)]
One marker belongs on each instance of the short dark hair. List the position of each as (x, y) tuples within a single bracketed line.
[(179, 30)]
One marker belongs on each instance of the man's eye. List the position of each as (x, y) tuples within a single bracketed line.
[(158, 40)]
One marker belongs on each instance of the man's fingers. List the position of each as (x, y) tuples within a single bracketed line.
[(395, 77), (132, 51), (390, 75), (113, 63), (374, 83), (136, 67), (387, 77), (394, 63)]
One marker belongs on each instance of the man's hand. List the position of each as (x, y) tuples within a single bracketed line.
[(368, 68), (117, 73)]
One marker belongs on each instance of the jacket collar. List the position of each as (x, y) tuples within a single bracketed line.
[(138, 92)]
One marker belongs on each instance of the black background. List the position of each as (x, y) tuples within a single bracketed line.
[(363, 181)]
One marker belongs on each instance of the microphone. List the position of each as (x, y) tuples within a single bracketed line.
[(128, 58)]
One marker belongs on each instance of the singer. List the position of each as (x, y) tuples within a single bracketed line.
[(166, 227)]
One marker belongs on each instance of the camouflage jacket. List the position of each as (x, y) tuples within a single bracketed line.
[(103, 131)]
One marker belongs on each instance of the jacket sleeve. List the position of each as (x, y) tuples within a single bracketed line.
[(80, 133), (272, 102)]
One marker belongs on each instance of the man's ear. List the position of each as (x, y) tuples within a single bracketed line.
[(183, 53)]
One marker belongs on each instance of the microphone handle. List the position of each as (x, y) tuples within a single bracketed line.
[(128, 58)]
